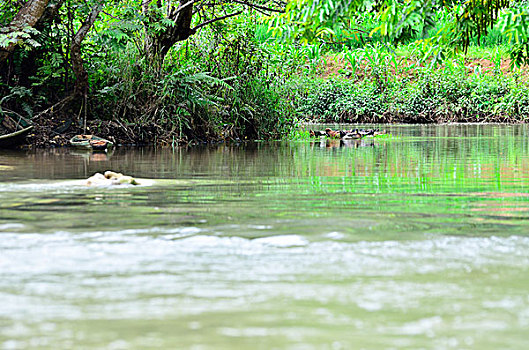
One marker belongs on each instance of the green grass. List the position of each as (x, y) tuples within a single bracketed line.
[(299, 134), (447, 95), (490, 52)]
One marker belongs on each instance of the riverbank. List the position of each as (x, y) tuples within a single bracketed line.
[(57, 131), (474, 92), (251, 78), (166, 112), (378, 94), (430, 98)]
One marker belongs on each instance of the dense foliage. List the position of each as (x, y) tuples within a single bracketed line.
[(438, 98), (163, 71), (155, 68), (447, 25)]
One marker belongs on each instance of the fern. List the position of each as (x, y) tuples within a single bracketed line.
[(22, 37)]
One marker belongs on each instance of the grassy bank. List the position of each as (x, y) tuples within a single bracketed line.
[(431, 96), (270, 87), (381, 84)]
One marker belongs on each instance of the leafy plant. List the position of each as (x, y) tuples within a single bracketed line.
[(22, 37)]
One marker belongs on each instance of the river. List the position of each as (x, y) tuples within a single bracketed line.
[(416, 241)]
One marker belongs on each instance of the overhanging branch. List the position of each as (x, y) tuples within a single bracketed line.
[(27, 16), (216, 19), (241, 2), (260, 7), (181, 8)]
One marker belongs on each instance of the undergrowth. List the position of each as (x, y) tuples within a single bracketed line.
[(214, 89), (431, 97)]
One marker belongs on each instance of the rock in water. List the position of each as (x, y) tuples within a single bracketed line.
[(112, 175), (110, 178), (97, 180), (124, 180)]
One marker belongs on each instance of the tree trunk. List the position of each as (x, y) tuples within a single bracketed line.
[(50, 13), (81, 83), (157, 45), (28, 16), (28, 62)]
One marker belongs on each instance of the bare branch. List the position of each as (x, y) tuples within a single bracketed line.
[(260, 7), (216, 19), (262, 12), (108, 14)]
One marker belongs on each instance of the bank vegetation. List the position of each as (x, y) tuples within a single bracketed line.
[(169, 72)]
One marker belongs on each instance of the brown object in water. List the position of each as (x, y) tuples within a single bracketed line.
[(333, 134), (90, 142), (98, 144)]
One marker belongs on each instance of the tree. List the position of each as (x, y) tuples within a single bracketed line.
[(19, 28), (166, 24), (81, 85), (312, 20), (64, 25)]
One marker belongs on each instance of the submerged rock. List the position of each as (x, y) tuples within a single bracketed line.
[(110, 178)]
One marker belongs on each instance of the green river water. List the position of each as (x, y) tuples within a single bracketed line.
[(417, 241)]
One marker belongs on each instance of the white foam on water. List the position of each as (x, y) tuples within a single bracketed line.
[(66, 186), (283, 241), (169, 272), (11, 226)]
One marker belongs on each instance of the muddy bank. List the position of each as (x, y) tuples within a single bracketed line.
[(57, 131), (51, 135)]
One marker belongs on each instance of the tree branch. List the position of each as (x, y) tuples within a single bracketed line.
[(81, 84), (255, 6), (216, 19), (181, 8), (50, 13), (109, 15)]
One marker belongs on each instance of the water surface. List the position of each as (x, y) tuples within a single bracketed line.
[(417, 241)]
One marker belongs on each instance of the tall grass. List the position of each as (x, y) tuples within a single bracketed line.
[(447, 95)]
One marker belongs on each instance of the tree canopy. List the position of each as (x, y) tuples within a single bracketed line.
[(398, 20)]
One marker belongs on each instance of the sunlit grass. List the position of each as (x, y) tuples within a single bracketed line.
[(299, 134), (480, 52)]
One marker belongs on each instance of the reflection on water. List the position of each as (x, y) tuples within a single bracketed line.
[(417, 241)]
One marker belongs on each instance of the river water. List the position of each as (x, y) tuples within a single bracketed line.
[(416, 241)]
